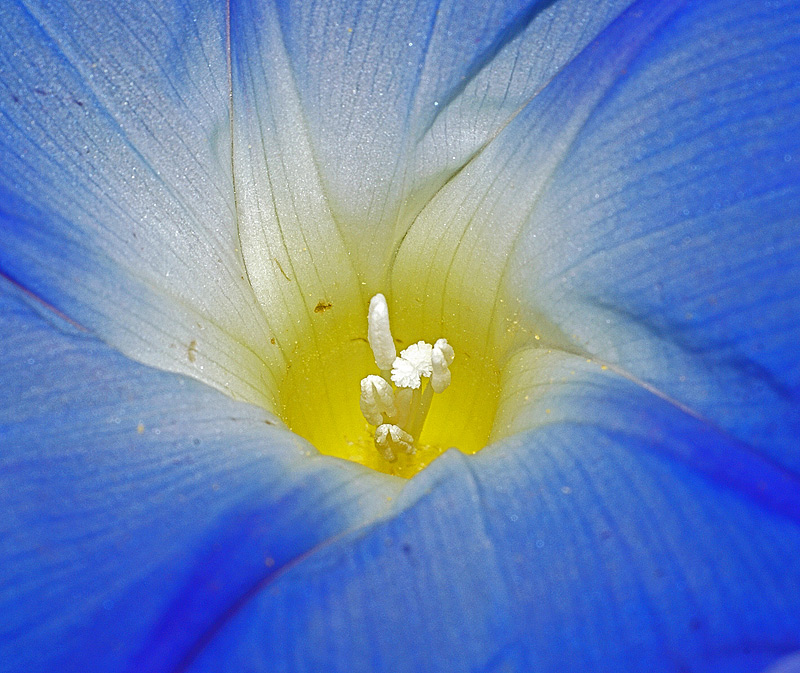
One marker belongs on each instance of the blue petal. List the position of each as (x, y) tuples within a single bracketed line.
[(137, 507), (640, 211), (582, 545), (116, 196)]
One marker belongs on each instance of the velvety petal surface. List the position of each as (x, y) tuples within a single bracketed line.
[(789, 664), (295, 255), (138, 507), (116, 195), (162, 211)]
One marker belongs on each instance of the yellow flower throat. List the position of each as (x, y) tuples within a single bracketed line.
[(322, 396)]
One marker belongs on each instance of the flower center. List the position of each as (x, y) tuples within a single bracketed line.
[(354, 397), (399, 411)]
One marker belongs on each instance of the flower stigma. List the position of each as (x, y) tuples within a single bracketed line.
[(414, 363)]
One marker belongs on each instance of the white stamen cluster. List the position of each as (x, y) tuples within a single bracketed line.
[(399, 412)]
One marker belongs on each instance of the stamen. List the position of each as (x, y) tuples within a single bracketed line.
[(441, 359), (391, 438), (379, 335), (400, 413), (377, 398)]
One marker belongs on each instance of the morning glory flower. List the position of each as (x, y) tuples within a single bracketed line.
[(593, 204)]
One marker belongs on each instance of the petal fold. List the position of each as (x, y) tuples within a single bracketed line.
[(140, 507)]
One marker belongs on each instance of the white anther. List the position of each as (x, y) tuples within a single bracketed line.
[(391, 438), (378, 333), (377, 398), (414, 362), (441, 359), (446, 350)]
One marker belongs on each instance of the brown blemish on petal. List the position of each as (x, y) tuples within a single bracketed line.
[(275, 259), (322, 306), (191, 352)]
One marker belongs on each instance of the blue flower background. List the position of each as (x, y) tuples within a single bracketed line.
[(633, 168)]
